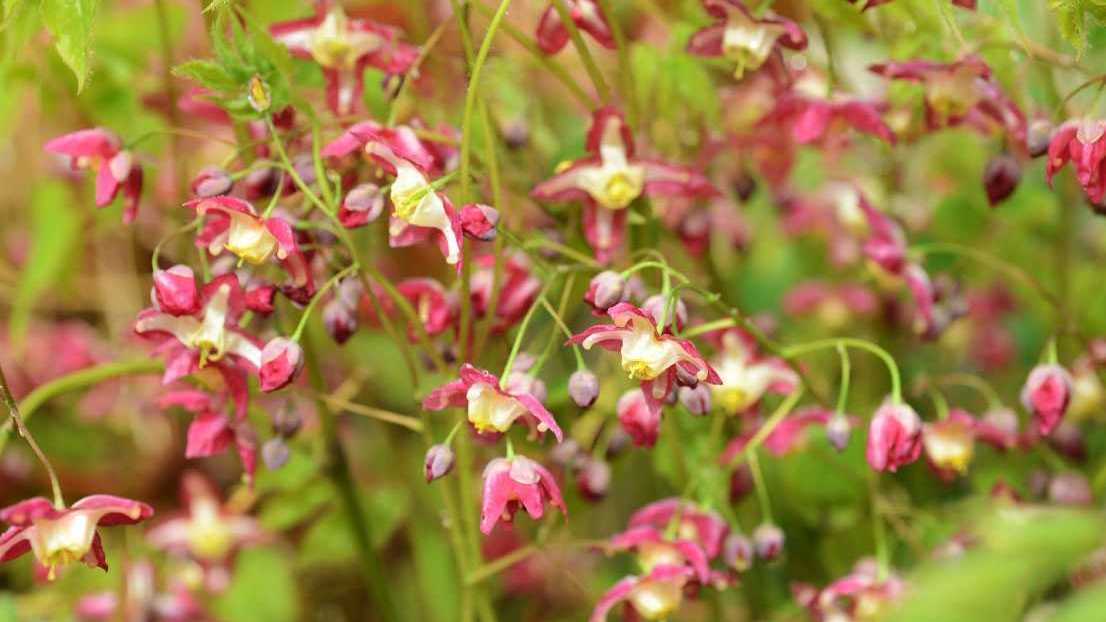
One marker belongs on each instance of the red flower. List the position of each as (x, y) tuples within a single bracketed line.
[(742, 38), (60, 536), (638, 419), (705, 528), (1046, 395), (552, 35), (344, 48), (746, 375), (281, 362), (1081, 142), (101, 151), (513, 483), (518, 289), (492, 408), (212, 430), (894, 437), (611, 177), (653, 549), (811, 120)]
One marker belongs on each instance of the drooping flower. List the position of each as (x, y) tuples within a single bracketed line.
[(344, 48), (1046, 395), (705, 528), (212, 430), (143, 597), (653, 596), (894, 437), (281, 362), (60, 536), (860, 595), (611, 177), (518, 289), (1081, 142), (638, 419), (234, 225), (746, 375), (811, 120), (491, 407), (950, 443), (653, 549), (743, 39), (514, 483), (1001, 177), (101, 151), (552, 35), (834, 305), (438, 462), (648, 355)]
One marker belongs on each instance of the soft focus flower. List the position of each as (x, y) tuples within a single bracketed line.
[(60, 536), (583, 388), (894, 437), (101, 151), (768, 541), (641, 422), (705, 528), (491, 408), (361, 205), (1046, 395), (438, 462), (552, 35), (605, 290), (212, 430), (1001, 177), (1080, 142), (812, 120), (746, 376), (743, 39), (950, 443), (859, 596), (518, 289), (281, 362), (513, 483), (344, 48), (653, 596), (611, 177)]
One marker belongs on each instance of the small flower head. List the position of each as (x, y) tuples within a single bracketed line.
[(281, 362), (514, 483), (605, 290), (438, 463), (950, 443), (583, 388), (894, 437), (491, 407), (768, 541), (1001, 178), (1046, 395)]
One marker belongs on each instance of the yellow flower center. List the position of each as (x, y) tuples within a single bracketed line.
[(619, 191), (656, 600), (249, 239), (638, 370)]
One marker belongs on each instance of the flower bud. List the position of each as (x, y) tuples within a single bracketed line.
[(1046, 394), (260, 183), (566, 454), (605, 290), (594, 479), (768, 541), (175, 291), (894, 437), (439, 462), (583, 387), (258, 94), (339, 321), (1070, 489), (737, 552), (275, 453), (478, 221), (362, 205), (838, 431), (281, 362), (640, 421), (1001, 178), (696, 399), (287, 421), (212, 181), (1038, 136), (657, 305)]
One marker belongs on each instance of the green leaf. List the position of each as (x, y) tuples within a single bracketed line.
[(1085, 605), (1071, 21), (54, 231), (206, 73), (70, 21), (263, 588)]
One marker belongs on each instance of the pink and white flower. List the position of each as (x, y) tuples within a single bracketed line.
[(60, 536), (611, 177), (894, 437), (344, 48), (742, 39), (101, 151), (587, 15), (705, 528), (1046, 395), (493, 408), (514, 483), (745, 375), (1082, 142), (653, 596)]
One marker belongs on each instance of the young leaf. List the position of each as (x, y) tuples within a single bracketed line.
[(70, 21)]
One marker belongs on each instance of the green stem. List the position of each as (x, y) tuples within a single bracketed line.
[(879, 530), (888, 360), (582, 49), (520, 334), (843, 391), (762, 490), (774, 420), (13, 411), (319, 296)]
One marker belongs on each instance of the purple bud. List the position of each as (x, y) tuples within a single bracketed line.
[(1038, 137), (583, 387), (605, 290), (339, 321), (768, 541), (275, 453), (516, 133), (305, 168), (287, 421), (212, 181), (566, 454), (439, 462), (737, 552), (838, 430), (594, 479), (696, 399), (684, 378), (1001, 178), (1070, 489)]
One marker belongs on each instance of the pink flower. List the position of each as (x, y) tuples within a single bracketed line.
[(99, 150), (611, 177), (361, 205), (1081, 142), (235, 226), (175, 291), (894, 437), (961, 93), (811, 120), (653, 596), (785, 437), (344, 48), (859, 595), (743, 39), (647, 354), (491, 408), (518, 289), (638, 419), (212, 430), (950, 443), (1046, 395), (60, 536), (438, 462), (281, 362), (588, 17), (745, 375), (513, 483), (705, 528), (833, 304), (653, 549)]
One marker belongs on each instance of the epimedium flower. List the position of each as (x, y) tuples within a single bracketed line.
[(745, 375), (234, 225), (1080, 141), (492, 408), (743, 39), (653, 596), (281, 362), (344, 47), (513, 483), (860, 595), (435, 306), (1046, 395), (894, 437), (611, 177), (812, 119), (950, 443), (100, 150), (833, 305), (653, 357), (60, 536), (212, 430), (653, 549), (518, 288), (587, 15), (641, 421), (704, 527)]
